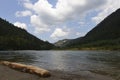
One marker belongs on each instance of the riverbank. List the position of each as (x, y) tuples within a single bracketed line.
[(9, 74)]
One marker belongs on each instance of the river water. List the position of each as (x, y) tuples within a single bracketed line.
[(101, 62)]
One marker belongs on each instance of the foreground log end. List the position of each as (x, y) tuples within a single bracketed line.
[(6, 63), (46, 74)]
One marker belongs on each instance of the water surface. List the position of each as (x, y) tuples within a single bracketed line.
[(100, 62)]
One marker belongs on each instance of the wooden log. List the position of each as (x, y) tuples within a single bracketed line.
[(27, 68)]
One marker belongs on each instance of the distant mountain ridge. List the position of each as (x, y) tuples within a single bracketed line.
[(14, 38), (62, 43), (105, 35)]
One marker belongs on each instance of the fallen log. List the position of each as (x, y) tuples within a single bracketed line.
[(27, 68)]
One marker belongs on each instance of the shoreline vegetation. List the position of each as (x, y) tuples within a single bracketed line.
[(90, 49), (7, 73)]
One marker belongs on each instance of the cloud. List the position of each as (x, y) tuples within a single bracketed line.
[(23, 13), (20, 25), (27, 4), (64, 11), (106, 10), (58, 33), (40, 27), (46, 16), (78, 33)]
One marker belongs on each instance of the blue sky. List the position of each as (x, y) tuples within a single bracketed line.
[(53, 20)]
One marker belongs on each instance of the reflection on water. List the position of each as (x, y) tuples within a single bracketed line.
[(17, 56), (102, 62)]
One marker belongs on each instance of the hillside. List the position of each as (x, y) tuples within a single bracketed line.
[(106, 35), (14, 38), (62, 43)]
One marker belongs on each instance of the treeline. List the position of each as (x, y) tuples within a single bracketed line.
[(101, 45)]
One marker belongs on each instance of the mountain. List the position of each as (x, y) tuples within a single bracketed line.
[(14, 38), (62, 43), (106, 35)]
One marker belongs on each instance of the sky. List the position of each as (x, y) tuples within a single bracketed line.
[(53, 20)]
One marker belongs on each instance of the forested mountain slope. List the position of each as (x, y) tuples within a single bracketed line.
[(14, 38)]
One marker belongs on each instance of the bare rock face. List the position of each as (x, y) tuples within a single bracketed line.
[(27, 68)]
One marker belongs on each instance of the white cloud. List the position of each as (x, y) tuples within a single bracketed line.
[(64, 11), (58, 33), (46, 16), (78, 33), (28, 4), (106, 10), (23, 13), (20, 25), (81, 23), (39, 26), (26, 0)]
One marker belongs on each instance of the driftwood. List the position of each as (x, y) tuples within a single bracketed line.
[(27, 68)]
